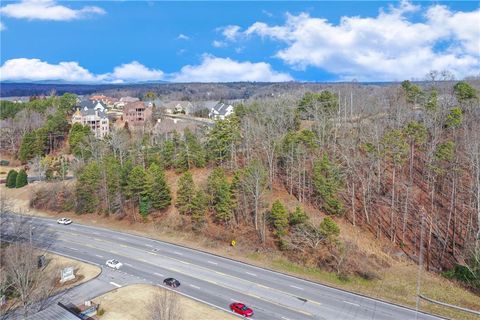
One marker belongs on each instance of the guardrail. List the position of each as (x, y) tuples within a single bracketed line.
[(449, 305)]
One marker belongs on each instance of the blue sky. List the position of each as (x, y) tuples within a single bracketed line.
[(130, 41)]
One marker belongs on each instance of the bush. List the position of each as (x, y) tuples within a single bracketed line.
[(4, 162), (22, 179), (11, 179), (100, 312)]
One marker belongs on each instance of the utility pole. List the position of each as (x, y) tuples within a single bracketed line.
[(420, 265)]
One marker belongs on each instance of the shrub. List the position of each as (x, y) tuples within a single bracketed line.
[(22, 179), (4, 162), (11, 179)]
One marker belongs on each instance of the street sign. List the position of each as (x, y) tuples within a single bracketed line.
[(66, 274)]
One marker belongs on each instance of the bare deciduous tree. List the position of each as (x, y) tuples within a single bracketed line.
[(164, 305)]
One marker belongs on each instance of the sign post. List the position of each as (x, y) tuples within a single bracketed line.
[(66, 274)]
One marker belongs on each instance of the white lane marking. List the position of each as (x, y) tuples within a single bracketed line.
[(295, 287), (353, 304), (97, 255), (128, 264), (194, 286), (252, 274), (232, 299), (73, 249), (211, 262), (149, 245), (179, 253), (115, 284), (285, 318), (158, 274), (123, 239), (73, 228)]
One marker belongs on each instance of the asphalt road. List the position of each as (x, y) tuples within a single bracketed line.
[(211, 279)]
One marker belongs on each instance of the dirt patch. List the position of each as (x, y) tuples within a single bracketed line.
[(129, 303)]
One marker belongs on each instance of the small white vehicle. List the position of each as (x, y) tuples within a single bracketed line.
[(64, 221), (114, 264)]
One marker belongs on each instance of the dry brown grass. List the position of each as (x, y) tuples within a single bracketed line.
[(130, 303)]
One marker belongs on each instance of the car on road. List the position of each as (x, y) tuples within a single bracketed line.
[(241, 309), (171, 282), (114, 264), (64, 221)]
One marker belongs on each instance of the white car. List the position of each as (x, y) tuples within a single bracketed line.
[(114, 264), (64, 221)]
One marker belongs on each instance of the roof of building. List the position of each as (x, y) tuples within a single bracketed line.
[(91, 104), (54, 312), (221, 108), (129, 99)]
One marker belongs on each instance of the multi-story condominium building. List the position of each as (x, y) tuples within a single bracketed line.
[(95, 118)]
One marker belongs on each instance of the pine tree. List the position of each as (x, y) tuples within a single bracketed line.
[(78, 134), (220, 193), (144, 206), (22, 179), (326, 183), (298, 217), (167, 153), (136, 184), (87, 188), (198, 209), (185, 193), (11, 179), (329, 229), (157, 189), (279, 217)]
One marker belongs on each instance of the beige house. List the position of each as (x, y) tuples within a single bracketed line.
[(95, 118)]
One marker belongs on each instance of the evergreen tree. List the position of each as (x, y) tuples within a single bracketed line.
[(112, 176), (11, 179), (221, 138), (329, 229), (191, 153), (156, 188), (220, 195), (33, 144), (78, 134), (185, 193), (325, 101), (87, 188), (168, 153), (136, 183), (454, 118), (22, 179), (144, 206), (298, 217), (413, 92), (464, 91), (198, 209), (279, 217), (327, 181)]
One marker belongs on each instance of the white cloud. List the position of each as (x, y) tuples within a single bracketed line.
[(231, 32), (35, 70), (134, 72), (2, 26), (386, 47), (218, 44), (47, 10), (24, 69), (214, 69), (182, 36)]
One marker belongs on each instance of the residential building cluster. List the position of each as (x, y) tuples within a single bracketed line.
[(100, 113)]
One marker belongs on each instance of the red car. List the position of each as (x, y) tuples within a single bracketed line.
[(241, 309)]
